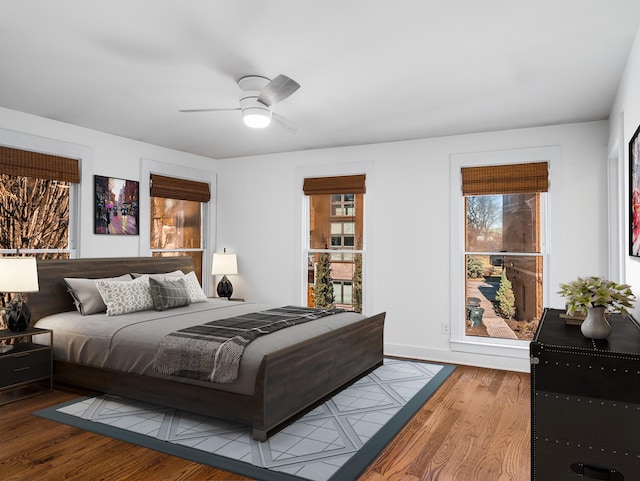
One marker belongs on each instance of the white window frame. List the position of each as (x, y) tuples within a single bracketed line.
[(302, 223), (617, 188), (459, 341), (208, 212), (35, 143)]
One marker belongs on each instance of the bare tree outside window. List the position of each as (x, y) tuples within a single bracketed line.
[(34, 214), (484, 214)]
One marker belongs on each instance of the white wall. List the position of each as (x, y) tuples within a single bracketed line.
[(101, 154), (625, 119), (410, 272), (410, 235)]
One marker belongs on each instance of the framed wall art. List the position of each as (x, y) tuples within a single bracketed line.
[(634, 195), (116, 206)]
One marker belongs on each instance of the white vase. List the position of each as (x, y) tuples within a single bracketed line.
[(595, 325)]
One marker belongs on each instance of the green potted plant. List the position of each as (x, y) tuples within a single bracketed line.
[(593, 296)]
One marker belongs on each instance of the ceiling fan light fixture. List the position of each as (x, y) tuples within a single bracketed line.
[(256, 118), (254, 113)]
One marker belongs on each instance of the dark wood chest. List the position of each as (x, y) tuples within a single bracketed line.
[(585, 402)]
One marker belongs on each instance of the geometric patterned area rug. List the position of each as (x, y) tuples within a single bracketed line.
[(335, 441)]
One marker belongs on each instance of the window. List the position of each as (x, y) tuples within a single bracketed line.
[(498, 211), (343, 204), (176, 218), (503, 249), (342, 292), (343, 237), (35, 203), (334, 253), (504, 265)]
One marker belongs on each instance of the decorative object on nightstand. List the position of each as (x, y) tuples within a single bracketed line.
[(18, 275), (223, 265), (593, 296)]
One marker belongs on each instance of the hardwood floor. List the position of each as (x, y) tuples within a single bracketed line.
[(474, 428)]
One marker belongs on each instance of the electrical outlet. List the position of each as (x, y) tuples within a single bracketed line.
[(445, 328)]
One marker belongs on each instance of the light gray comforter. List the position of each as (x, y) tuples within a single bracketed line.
[(128, 342)]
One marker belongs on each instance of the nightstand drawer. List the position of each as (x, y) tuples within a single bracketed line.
[(569, 460), (25, 366)]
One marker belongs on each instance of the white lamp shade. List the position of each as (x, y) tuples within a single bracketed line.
[(18, 274), (224, 264)]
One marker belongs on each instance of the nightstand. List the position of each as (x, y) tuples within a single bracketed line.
[(25, 370), (585, 401)]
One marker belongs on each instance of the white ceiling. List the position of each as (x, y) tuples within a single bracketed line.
[(370, 70)]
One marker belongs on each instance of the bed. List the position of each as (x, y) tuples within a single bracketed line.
[(288, 378)]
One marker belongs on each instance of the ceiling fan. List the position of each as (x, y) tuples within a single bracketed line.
[(259, 95)]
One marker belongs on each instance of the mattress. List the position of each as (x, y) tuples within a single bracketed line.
[(128, 342)]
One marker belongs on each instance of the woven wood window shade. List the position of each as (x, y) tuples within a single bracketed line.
[(505, 179), (173, 188), (345, 184), (25, 163)]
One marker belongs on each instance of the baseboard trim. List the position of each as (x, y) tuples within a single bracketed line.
[(457, 357)]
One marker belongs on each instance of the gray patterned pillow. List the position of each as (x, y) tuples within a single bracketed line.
[(123, 297), (169, 292)]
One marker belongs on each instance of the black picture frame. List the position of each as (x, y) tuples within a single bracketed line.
[(634, 194), (116, 206)]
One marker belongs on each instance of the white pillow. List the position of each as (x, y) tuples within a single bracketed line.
[(160, 276), (128, 296), (196, 294)]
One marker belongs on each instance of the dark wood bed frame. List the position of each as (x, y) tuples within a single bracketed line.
[(289, 381)]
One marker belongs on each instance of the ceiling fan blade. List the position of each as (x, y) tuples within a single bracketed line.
[(208, 110), (277, 90), (289, 126)]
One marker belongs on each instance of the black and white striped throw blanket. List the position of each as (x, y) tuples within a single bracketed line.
[(212, 351)]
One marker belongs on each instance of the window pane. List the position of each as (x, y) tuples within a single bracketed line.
[(35, 214), (334, 283), (335, 278), (327, 217), (195, 255), (503, 295), (175, 224), (503, 223), (349, 227), (346, 293)]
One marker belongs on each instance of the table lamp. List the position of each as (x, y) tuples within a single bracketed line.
[(224, 264), (18, 275)]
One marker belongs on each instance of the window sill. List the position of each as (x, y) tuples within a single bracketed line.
[(492, 347)]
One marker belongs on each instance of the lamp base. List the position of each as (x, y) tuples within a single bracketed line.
[(225, 289), (18, 316)]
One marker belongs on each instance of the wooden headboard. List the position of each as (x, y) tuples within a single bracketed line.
[(53, 296)]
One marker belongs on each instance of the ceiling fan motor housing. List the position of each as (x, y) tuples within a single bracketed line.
[(253, 83), (254, 113)]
